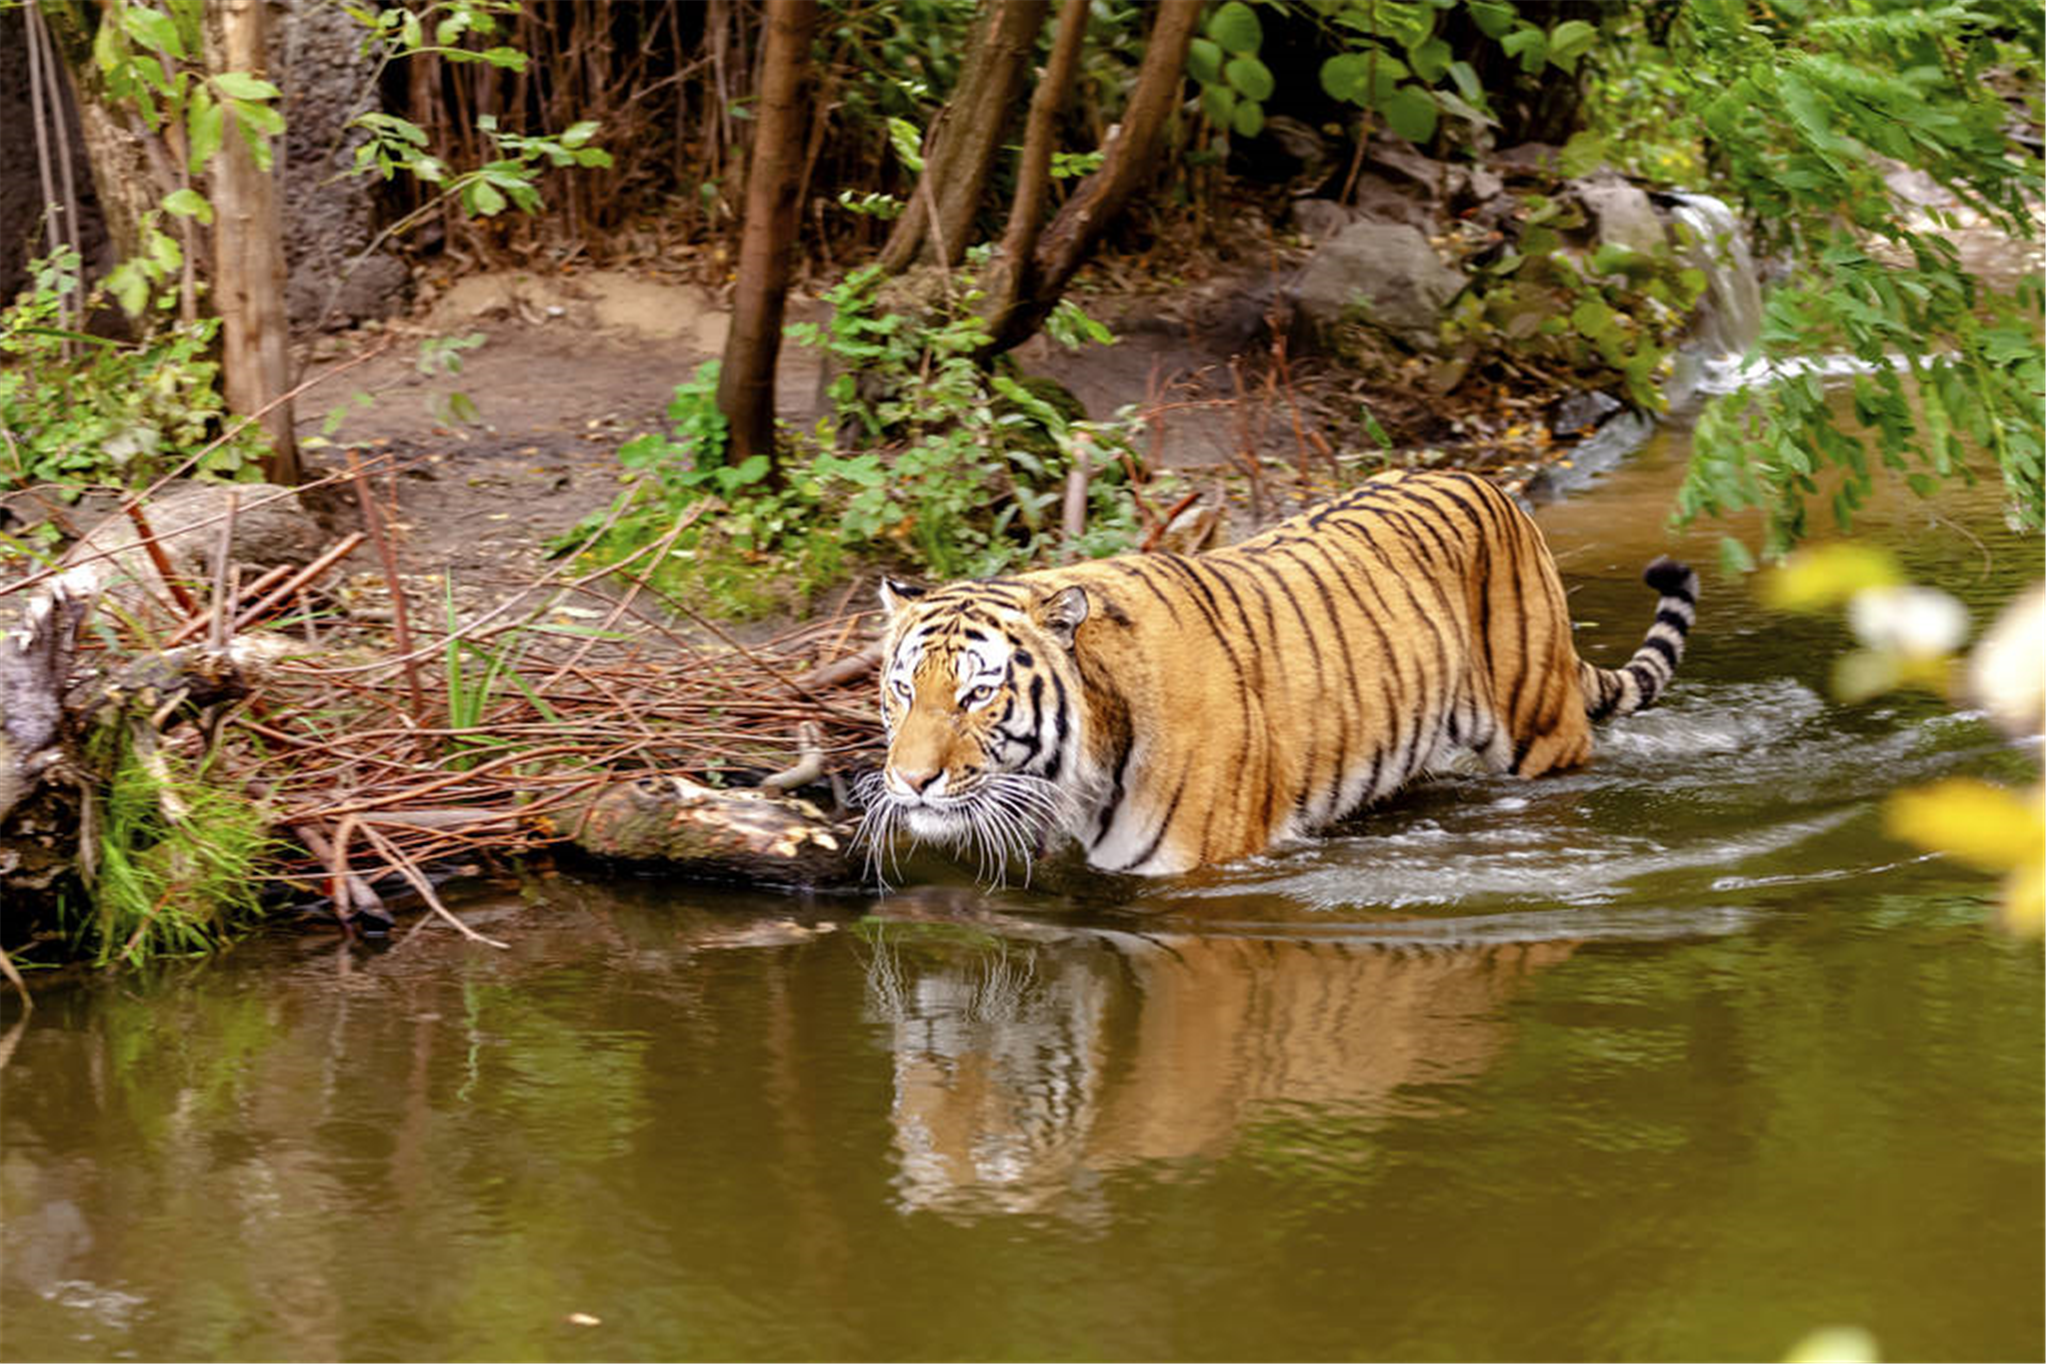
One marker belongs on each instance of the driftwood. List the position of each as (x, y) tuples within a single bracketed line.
[(743, 835)]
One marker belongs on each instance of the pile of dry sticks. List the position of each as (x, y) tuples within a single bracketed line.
[(386, 751)]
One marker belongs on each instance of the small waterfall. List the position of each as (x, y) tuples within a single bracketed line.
[(1730, 316)]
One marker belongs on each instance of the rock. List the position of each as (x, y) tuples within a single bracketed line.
[(1439, 179), (1292, 152), (1621, 213), (1484, 185), (271, 526), (1580, 410), (1528, 161), (1384, 273), (1320, 219), (1380, 199)]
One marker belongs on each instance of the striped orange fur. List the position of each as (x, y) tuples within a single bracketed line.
[(1170, 712)]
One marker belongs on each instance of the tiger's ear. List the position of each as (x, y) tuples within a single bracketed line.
[(1061, 613), (895, 592)]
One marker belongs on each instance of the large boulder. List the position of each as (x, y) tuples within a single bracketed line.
[(1385, 274), (1621, 214)]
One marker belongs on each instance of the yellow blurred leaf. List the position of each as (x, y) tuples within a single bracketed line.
[(1834, 1345), (1826, 575), (1985, 826)]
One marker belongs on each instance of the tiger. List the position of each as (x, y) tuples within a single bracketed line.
[(1170, 712)]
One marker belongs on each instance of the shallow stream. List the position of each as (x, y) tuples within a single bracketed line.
[(1675, 1058)]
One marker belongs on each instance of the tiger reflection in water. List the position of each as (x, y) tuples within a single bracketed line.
[(1027, 1071)]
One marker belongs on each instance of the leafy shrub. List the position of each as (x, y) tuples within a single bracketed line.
[(80, 409), (1606, 316), (929, 461)]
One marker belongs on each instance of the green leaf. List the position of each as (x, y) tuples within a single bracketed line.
[(1591, 318), (1248, 120), (1570, 40), (130, 287), (1430, 59), (1493, 17), (1236, 28), (1250, 78), (152, 28), (1411, 113), (1219, 102), (164, 253), (907, 141), (1582, 154), (479, 198), (1467, 83), (1347, 77), (1529, 44), (1734, 557), (241, 85), (205, 126), (1204, 61), (189, 203), (579, 133)]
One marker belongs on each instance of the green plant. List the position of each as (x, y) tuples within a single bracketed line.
[(1805, 112), (929, 460), (1609, 315), (177, 857), (79, 409), (960, 466)]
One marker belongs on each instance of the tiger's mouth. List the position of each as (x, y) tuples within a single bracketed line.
[(933, 822)]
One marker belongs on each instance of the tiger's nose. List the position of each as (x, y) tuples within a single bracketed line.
[(916, 781)]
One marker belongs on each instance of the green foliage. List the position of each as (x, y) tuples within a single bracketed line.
[(1799, 111), (929, 461), (1397, 65), (177, 857), (962, 467), (1605, 317), (80, 409)]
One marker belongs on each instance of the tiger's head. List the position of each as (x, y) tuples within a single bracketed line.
[(981, 700)]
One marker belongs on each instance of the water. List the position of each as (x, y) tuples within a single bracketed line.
[(1676, 1058)]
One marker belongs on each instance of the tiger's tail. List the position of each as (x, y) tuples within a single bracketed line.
[(1622, 691)]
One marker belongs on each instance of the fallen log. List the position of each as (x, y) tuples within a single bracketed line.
[(698, 831)]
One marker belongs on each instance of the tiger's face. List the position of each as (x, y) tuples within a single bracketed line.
[(978, 696)]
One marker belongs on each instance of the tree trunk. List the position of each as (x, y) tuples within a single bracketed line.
[(1015, 315), (767, 239), (1014, 274), (248, 255), (126, 180), (967, 136)]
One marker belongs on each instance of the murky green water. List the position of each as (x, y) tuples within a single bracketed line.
[(1678, 1058)]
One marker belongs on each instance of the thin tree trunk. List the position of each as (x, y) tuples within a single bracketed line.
[(1131, 149), (1014, 270), (248, 256), (768, 237), (963, 144)]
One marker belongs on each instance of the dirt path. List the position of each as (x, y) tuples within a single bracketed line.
[(570, 367)]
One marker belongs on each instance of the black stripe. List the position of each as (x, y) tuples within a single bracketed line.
[(1675, 620), (1346, 694), (1663, 647), (1137, 568), (1171, 807)]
